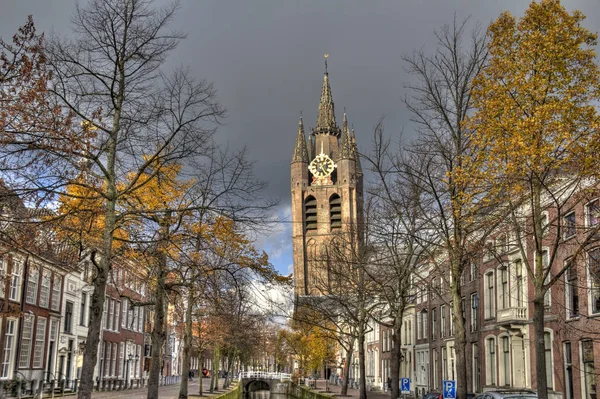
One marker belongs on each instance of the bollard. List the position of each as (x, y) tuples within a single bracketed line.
[(52, 388), (75, 384)]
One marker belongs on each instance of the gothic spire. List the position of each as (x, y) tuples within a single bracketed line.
[(300, 152), (346, 141), (355, 153), (326, 123)]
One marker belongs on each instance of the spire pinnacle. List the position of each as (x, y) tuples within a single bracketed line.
[(355, 153), (346, 141), (326, 123), (300, 151)]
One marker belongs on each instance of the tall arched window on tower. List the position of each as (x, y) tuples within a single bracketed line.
[(335, 212), (310, 208)]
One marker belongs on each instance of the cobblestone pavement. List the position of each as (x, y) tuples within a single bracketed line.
[(164, 392)]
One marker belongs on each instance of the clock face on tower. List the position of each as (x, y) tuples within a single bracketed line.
[(321, 166)]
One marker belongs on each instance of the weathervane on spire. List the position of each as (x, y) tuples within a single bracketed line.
[(326, 56)]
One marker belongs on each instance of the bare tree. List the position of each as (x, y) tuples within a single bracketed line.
[(440, 102), (398, 226)]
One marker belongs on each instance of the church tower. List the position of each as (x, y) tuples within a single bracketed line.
[(327, 194)]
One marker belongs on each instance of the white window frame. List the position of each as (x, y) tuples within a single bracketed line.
[(505, 374), (491, 371), (14, 292), (549, 367), (40, 342), (33, 279), (568, 226), (593, 287), (490, 295), (588, 214), (26, 339), (45, 287), (571, 277), (56, 290), (8, 354)]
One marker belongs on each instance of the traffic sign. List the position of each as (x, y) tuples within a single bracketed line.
[(449, 389), (404, 385)]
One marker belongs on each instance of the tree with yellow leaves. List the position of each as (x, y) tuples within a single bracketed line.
[(537, 138)]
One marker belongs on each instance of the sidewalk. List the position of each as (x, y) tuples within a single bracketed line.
[(352, 393)]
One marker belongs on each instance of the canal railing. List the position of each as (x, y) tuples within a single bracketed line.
[(265, 375)]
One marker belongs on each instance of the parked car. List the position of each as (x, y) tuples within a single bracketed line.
[(508, 394)]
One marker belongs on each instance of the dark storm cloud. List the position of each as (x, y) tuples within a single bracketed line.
[(266, 59)]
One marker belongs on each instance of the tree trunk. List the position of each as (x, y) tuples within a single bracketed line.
[(361, 364), (90, 355), (187, 343), (395, 357), (158, 336), (346, 378), (200, 370), (540, 348), (460, 339), (214, 380)]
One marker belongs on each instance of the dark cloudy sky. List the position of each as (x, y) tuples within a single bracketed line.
[(266, 60)]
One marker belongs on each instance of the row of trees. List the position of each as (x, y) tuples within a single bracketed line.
[(119, 153), (508, 136)]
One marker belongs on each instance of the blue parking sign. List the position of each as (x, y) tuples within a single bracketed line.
[(449, 389), (404, 385)]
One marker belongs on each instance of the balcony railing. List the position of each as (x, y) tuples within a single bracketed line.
[(512, 315)]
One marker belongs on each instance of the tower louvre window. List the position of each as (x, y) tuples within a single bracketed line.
[(335, 212), (310, 208)]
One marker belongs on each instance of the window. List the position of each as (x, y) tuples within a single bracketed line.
[(594, 272), (419, 324), (15, 281), (424, 324), (490, 308), (121, 359), (505, 360), (474, 310), (117, 311), (491, 362), (124, 320), (592, 213), (82, 309), (519, 283), (105, 312), (475, 367), (68, 317), (9, 342), (545, 222), (444, 363), (488, 253), (335, 212), (442, 321), (111, 312), (548, 355), (26, 337), (568, 359), (545, 263), (45, 289), (589, 370), (141, 321), (32, 284), (571, 289), (113, 366), (474, 272), (56, 284), (134, 324), (433, 323), (108, 349), (569, 228), (40, 338), (504, 299), (310, 211)]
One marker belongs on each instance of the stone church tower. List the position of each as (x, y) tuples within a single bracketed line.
[(327, 195)]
